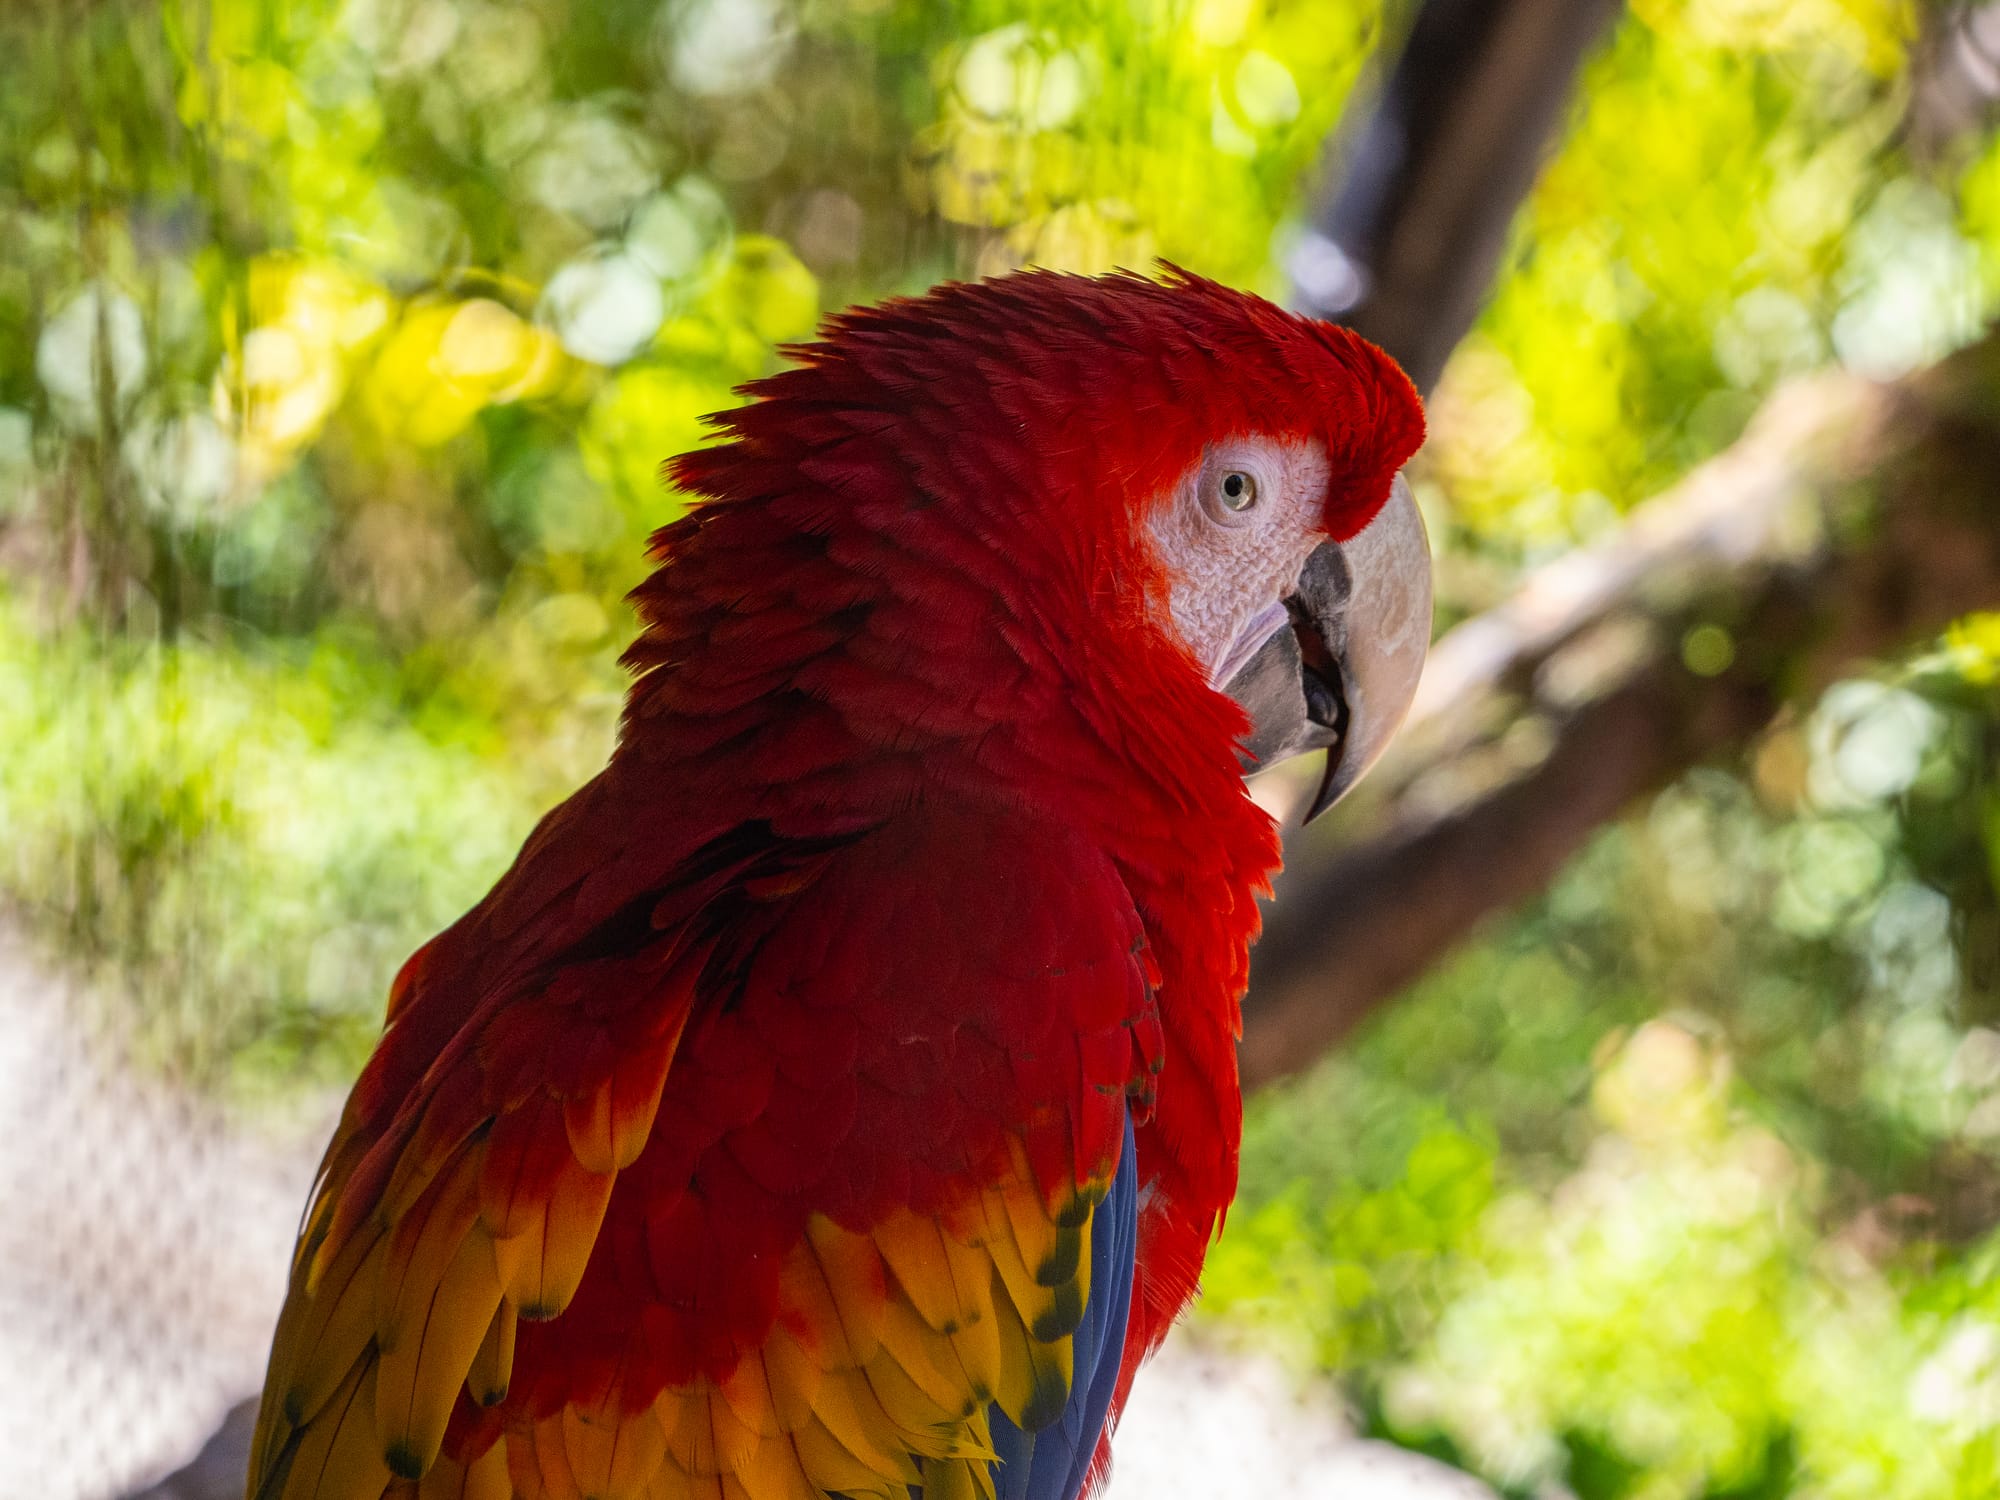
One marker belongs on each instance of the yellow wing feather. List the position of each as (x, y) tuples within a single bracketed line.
[(874, 1379)]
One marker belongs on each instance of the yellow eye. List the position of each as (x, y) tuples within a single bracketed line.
[(1238, 490), (1230, 487)]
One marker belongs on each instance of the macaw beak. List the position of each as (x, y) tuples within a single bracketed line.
[(1340, 673)]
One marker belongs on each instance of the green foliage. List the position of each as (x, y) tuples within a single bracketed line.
[(1678, 1186), (1727, 211), (188, 817)]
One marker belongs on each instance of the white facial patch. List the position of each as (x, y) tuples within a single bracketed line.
[(1234, 536)]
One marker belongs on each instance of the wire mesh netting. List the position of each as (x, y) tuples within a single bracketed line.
[(143, 1245)]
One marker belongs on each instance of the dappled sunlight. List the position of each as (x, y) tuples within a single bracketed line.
[(1681, 1184)]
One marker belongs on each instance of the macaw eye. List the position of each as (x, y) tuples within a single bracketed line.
[(1231, 489)]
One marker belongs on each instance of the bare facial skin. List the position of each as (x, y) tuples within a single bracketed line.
[(1234, 535)]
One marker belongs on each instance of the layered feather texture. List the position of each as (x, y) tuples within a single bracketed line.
[(752, 1139)]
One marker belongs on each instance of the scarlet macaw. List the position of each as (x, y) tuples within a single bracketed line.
[(838, 1095)]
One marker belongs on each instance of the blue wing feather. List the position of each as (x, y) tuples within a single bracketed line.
[(1054, 1463)]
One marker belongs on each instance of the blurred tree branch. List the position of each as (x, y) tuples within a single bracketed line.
[(1954, 77), (1431, 176), (1852, 520), (216, 1472)]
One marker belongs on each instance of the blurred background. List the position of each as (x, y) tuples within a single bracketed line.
[(341, 342)]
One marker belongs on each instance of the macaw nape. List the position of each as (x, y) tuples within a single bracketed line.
[(837, 1097)]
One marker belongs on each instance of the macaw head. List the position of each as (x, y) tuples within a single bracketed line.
[(1297, 571), (1320, 637), (1186, 491)]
